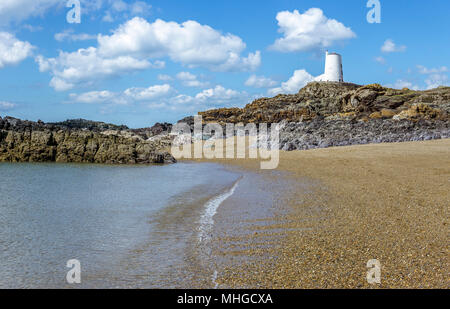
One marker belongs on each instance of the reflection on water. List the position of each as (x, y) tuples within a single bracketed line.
[(128, 226)]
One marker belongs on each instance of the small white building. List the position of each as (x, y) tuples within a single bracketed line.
[(333, 69)]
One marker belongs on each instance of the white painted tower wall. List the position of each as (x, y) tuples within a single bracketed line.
[(333, 69)]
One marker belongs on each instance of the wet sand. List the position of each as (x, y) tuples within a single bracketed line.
[(386, 201)]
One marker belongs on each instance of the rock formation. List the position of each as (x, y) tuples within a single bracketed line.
[(340, 101), (337, 114), (78, 141), (319, 115)]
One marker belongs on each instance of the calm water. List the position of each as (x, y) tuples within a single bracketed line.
[(128, 226)]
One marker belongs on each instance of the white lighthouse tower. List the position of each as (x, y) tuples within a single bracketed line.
[(333, 69)]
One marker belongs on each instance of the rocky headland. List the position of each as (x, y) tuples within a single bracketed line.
[(320, 115), (326, 114), (80, 141)]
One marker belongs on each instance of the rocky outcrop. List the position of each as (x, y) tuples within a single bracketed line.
[(340, 100), (338, 114), (322, 133), (157, 129), (27, 141), (90, 125)]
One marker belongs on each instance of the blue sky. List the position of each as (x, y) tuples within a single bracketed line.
[(139, 62)]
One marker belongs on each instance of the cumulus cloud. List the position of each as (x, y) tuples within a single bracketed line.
[(164, 77), (186, 76), (150, 93), (436, 80), (86, 65), (260, 82), (32, 28), (18, 10), (401, 83), (425, 70), (120, 8), (380, 60), (294, 84), (189, 43), (138, 45), (128, 96), (390, 47), (93, 97), (12, 50), (6, 106), (190, 80), (432, 78), (164, 96), (435, 77), (219, 96), (309, 31), (70, 35), (208, 98)]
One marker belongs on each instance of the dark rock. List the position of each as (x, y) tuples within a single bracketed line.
[(78, 141), (338, 100), (329, 133), (157, 129)]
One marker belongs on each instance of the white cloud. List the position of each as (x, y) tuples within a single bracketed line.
[(208, 98), (425, 70), (13, 11), (380, 60), (18, 10), (60, 84), (390, 47), (309, 31), (435, 80), (32, 28), (108, 18), (189, 43), (139, 8), (120, 8), (128, 96), (6, 106), (186, 76), (195, 83), (435, 76), (69, 35), (219, 95), (164, 97), (12, 50), (93, 97), (190, 80), (400, 84), (164, 77), (150, 93), (260, 82), (182, 99), (119, 5), (294, 84), (136, 42), (85, 66)]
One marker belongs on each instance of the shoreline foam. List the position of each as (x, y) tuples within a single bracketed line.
[(210, 209)]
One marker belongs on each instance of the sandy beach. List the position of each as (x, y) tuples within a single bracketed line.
[(388, 202)]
